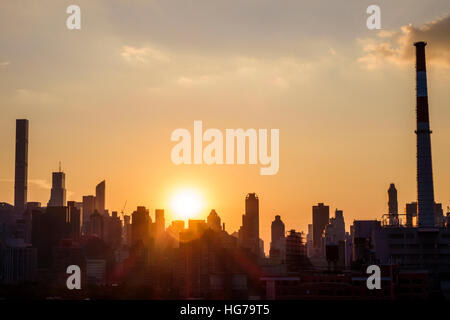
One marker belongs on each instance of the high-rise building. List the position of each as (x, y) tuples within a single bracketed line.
[(88, 210), (127, 229), (392, 205), (140, 226), (58, 192), (214, 221), (249, 232), (100, 197), (321, 216), (21, 169), (160, 221), (295, 252), (411, 212), (19, 264), (438, 214), (173, 232), (335, 230), (113, 230), (48, 229), (425, 189), (74, 221), (96, 225), (277, 244), (335, 240)]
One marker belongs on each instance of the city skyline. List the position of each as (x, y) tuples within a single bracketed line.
[(207, 151), (343, 148)]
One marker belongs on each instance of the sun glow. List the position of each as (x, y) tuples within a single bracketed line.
[(186, 203)]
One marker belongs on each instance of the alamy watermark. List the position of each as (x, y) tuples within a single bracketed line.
[(213, 152), (374, 20), (374, 280), (74, 280)]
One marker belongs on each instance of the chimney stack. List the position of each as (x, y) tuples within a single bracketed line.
[(425, 191)]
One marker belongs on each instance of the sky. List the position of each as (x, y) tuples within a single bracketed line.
[(105, 99)]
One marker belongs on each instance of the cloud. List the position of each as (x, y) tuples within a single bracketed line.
[(5, 63), (40, 183), (396, 47), (143, 55), (33, 97)]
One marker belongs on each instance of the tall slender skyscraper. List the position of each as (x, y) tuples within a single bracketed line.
[(277, 229), (321, 217), (58, 192), (88, 208), (425, 190), (277, 244), (160, 222), (392, 204), (249, 232), (21, 170), (100, 197)]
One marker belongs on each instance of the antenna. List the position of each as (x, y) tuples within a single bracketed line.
[(60, 166)]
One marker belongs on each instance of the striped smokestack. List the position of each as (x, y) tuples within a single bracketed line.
[(425, 192)]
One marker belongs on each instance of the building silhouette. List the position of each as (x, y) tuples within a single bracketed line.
[(140, 226), (249, 232), (295, 251), (411, 213), (160, 224), (88, 210), (335, 238), (21, 165), (113, 230), (213, 221), (58, 191), (96, 226), (392, 204), (74, 220), (277, 244), (321, 216), (100, 197)]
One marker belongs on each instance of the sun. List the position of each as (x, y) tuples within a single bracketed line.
[(186, 203)]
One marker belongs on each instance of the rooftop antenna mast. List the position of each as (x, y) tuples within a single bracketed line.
[(60, 166)]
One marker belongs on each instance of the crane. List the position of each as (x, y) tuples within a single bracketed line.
[(123, 209)]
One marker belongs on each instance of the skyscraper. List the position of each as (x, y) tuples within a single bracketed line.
[(249, 233), (21, 168), (277, 229), (277, 244), (100, 197), (410, 211), (140, 226), (214, 221), (58, 192), (74, 221), (392, 205), (321, 217), (335, 230), (88, 209), (160, 222), (425, 190)]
